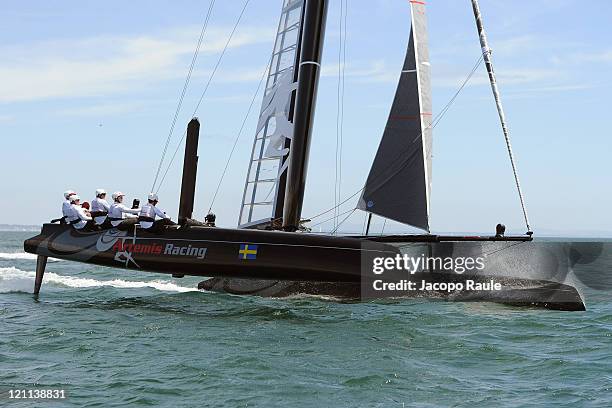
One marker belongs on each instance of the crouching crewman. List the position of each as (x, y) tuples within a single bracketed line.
[(99, 209), (79, 218), (149, 212), (120, 216)]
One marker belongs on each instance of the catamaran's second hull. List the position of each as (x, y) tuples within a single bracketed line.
[(273, 263), (514, 292)]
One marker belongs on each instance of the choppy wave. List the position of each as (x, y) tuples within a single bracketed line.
[(16, 280), (23, 256)]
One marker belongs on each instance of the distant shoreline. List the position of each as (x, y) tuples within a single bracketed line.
[(18, 228)]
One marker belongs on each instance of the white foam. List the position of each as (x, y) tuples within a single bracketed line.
[(23, 256), (13, 279)]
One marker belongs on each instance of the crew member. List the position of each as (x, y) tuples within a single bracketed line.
[(66, 209), (119, 215), (78, 217), (99, 208), (149, 212)]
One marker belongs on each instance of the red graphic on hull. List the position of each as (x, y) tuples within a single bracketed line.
[(122, 246)]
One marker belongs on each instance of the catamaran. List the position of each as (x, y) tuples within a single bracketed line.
[(272, 252)]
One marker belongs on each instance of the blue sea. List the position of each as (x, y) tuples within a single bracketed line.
[(115, 338)]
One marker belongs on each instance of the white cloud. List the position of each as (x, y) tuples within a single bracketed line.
[(100, 66), (118, 108), (102, 110), (443, 75), (604, 56), (364, 72)]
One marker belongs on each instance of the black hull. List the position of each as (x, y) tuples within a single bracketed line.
[(548, 295), (278, 264), (280, 289)]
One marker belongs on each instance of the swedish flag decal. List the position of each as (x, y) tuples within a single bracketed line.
[(247, 251)]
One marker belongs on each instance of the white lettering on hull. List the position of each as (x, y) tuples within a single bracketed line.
[(171, 249)]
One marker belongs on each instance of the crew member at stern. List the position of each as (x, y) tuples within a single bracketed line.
[(119, 215), (100, 207), (149, 212)]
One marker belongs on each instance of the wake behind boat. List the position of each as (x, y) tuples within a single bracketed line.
[(273, 252)]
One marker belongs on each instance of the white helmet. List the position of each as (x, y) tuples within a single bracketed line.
[(68, 193), (100, 191), (117, 194), (153, 197), (74, 198)]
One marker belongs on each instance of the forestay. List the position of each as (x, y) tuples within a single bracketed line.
[(399, 183)]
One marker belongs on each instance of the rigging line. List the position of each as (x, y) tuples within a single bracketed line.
[(435, 122), (340, 107), (239, 134), (184, 91), (365, 221), (444, 110), (229, 40), (332, 218), (343, 202), (342, 222), (342, 98), (212, 75), (338, 115), (486, 53), (502, 249)]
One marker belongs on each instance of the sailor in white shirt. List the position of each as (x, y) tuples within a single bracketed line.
[(66, 208), (119, 215), (149, 212), (100, 207), (78, 217)]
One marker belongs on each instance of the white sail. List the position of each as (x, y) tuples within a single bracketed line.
[(399, 183)]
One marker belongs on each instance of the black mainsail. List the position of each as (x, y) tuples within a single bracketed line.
[(399, 183)]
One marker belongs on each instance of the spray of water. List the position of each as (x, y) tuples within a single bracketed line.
[(16, 280)]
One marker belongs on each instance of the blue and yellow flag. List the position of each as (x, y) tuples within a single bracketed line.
[(247, 251)]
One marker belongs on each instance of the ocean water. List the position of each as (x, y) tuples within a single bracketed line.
[(114, 338)]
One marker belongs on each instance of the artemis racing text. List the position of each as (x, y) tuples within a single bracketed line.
[(172, 249), (157, 249)]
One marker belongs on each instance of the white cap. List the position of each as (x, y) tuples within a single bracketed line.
[(153, 197), (74, 198), (117, 194), (68, 193), (100, 191)]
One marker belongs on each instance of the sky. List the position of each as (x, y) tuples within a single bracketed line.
[(88, 91)]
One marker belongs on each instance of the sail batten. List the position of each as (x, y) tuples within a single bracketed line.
[(399, 183)]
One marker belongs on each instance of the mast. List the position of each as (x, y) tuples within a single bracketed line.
[(279, 205), (315, 14), (190, 169), (486, 54)]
